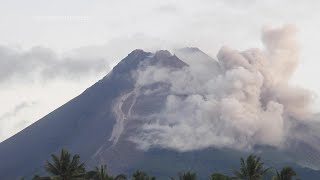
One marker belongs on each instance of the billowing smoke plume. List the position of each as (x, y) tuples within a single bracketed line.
[(241, 100)]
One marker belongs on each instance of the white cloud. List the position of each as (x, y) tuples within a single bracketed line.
[(44, 64), (111, 30)]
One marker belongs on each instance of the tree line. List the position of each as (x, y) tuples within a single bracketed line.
[(65, 166)]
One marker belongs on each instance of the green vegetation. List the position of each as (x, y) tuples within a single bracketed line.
[(140, 175), (219, 176), (186, 176), (67, 167), (100, 173)]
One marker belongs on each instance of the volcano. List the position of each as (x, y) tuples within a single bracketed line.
[(99, 125)]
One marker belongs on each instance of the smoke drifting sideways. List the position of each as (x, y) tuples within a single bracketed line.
[(243, 99)]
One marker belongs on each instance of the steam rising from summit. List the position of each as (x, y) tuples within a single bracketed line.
[(241, 100)]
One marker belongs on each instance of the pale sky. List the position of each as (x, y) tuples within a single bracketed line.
[(51, 51)]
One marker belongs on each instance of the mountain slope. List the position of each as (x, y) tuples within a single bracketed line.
[(74, 125)]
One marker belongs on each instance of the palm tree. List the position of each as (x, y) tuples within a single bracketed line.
[(101, 174), (186, 176), (218, 176), (286, 173), (251, 169), (140, 175), (64, 167)]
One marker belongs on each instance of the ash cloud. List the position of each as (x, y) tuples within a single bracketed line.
[(249, 102)]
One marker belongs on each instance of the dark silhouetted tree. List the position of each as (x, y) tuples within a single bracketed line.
[(100, 173), (186, 176), (140, 175), (65, 167), (219, 176), (251, 169), (286, 173)]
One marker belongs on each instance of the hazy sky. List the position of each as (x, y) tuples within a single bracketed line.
[(51, 51)]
